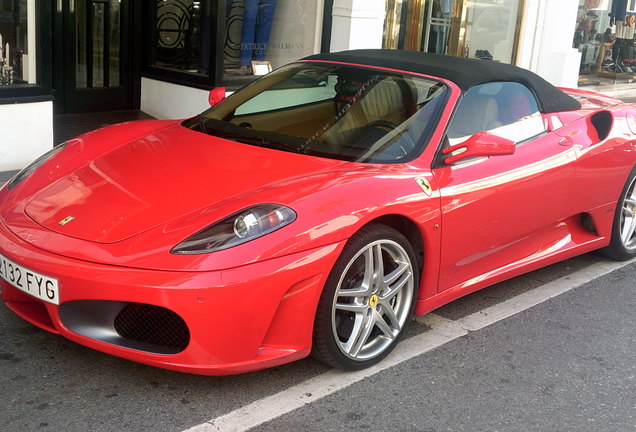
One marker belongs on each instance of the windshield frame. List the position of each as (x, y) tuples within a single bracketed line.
[(432, 107)]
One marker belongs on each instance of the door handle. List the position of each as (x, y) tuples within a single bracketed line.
[(566, 141)]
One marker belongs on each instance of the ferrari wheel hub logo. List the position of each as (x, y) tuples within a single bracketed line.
[(373, 300), (66, 220)]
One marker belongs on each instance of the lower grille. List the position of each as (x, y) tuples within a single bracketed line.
[(152, 325), (137, 326)]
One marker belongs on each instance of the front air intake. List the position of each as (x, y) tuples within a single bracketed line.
[(152, 325), (137, 326)]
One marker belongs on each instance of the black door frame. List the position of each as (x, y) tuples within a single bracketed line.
[(69, 99)]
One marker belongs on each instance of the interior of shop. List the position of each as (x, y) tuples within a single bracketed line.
[(605, 37)]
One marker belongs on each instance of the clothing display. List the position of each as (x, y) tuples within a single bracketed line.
[(589, 51), (257, 24), (619, 10), (624, 31), (596, 4), (447, 6)]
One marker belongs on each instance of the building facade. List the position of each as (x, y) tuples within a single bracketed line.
[(163, 56)]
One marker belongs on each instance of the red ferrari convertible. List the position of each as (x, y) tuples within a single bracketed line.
[(314, 210)]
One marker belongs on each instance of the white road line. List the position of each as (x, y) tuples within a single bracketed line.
[(316, 388), (524, 301), (442, 331)]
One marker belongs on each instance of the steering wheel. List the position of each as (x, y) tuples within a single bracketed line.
[(403, 144), (384, 124)]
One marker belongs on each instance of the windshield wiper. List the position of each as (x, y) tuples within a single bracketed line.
[(201, 123), (236, 133)]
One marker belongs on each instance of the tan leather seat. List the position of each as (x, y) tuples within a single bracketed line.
[(476, 113), (384, 100)]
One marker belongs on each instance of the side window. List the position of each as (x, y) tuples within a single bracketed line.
[(506, 109)]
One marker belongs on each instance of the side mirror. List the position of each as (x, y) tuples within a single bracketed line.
[(216, 96), (481, 144)]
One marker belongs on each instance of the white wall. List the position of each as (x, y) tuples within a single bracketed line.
[(546, 41), (357, 24), (171, 101), (26, 132)]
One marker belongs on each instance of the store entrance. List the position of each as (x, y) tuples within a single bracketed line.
[(91, 67), (482, 29)]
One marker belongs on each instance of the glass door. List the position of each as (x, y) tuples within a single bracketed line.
[(91, 55), (418, 25), (487, 29), (483, 29)]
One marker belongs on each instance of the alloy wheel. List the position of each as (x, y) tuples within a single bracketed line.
[(373, 300), (628, 218)]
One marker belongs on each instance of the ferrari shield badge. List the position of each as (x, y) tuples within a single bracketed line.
[(66, 220), (425, 185)]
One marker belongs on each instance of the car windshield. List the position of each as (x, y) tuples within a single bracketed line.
[(335, 111)]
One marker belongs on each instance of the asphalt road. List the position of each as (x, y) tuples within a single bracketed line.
[(566, 364)]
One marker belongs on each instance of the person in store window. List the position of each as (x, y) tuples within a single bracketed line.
[(257, 24)]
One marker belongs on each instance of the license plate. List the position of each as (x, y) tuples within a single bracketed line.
[(33, 283)]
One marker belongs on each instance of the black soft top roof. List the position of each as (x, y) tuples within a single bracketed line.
[(464, 72)]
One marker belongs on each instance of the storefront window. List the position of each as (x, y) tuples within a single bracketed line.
[(261, 35), (229, 42), (486, 29), (605, 38), (418, 25), (181, 35), (491, 29), (17, 42)]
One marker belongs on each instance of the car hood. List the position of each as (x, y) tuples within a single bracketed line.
[(153, 179)]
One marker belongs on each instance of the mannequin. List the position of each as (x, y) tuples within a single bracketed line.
[(619, 11), (624, 35), (257, 24)]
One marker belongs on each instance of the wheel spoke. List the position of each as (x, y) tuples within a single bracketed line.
[(396, 287), (369, 269), (390, 313), (395, 274), (631, 201), (378, 264), (352, 307), (355, 332), (354, 292), (629, 226), (359, 338), (383, 326)]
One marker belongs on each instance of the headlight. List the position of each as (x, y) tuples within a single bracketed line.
[(34, 165), (237, 229)]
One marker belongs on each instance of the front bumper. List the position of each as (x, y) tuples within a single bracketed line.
[(237, 320)]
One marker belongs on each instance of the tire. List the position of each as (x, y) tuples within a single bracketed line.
[(361, 316), (622, 245)]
